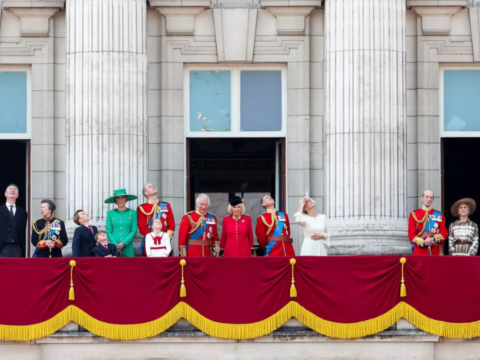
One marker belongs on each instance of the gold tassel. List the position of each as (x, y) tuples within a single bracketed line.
[(71, 293), (403, 289), (293, 289), (183, 289)]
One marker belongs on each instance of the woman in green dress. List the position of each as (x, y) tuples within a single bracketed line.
[(122, 223)]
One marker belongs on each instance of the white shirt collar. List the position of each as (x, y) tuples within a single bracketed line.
[(8, 205)]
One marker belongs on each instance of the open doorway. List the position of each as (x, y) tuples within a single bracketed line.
[(14, 156), (247, 167), (460, 175)]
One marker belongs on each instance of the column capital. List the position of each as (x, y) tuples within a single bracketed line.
[(436, 20), (180, 20), (290, 19)]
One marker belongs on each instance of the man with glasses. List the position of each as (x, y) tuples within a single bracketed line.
[(13, 223)]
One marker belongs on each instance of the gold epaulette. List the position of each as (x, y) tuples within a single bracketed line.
[(188, 213), (59, 219)]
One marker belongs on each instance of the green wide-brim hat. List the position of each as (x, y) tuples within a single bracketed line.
[(119, 192)]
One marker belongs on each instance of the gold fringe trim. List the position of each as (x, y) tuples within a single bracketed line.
[(241, 331)]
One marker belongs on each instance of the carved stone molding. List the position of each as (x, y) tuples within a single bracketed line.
[(34, 21), (291, 20), (25, 48), (446, 50), (180, 20), (235, 33), (436, 20)]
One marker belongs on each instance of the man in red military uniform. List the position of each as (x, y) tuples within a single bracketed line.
[(198, 234), (426, 228), (151, 210), (273, 230)]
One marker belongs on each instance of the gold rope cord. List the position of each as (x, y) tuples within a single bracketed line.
[(195, 225), (274, 222), (423, 221), (153, 211)]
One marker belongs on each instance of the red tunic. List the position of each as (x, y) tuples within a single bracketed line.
[(421, 226), (268, 230), (237, 236), (145, 214), (205, 231)]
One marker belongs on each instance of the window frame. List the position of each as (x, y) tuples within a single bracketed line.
[(235, 100), (442, 132)]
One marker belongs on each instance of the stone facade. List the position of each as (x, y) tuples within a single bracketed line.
[(171, 35), (159, 40)]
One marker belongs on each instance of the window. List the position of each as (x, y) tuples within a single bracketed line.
[(235, 101), (13, 102), (210, 95), (460, 101)]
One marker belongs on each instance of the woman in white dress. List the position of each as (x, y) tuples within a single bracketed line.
[(315, 229)]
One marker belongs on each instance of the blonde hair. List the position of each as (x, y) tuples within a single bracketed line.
[(230, 209), (301, 206)]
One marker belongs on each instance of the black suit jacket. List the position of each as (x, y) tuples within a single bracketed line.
[(100, 250), (84, 241), (20, 221)]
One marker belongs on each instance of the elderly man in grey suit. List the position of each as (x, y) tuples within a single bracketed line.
[(13, 222)]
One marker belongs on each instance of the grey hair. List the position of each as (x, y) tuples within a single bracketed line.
[(201, 196), (423, 193), (12, 185)]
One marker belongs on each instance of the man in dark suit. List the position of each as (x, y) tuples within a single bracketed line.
[(84, 236), (13, 223)]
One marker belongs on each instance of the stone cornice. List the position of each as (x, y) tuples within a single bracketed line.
[(180, 20), (290, 3), (180, 3), (436, 20), (34, 21), (462, 3), (58, 4), (290, 20)]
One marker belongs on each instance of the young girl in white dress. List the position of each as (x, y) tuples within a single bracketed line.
[(157, 243), (316, 239)]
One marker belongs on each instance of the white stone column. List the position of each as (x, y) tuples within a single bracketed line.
[(365, 128), (106, 96)]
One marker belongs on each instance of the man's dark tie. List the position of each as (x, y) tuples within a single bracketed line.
[(11, 210)]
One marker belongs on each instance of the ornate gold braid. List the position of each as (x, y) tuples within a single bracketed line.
[(195, 225), (270, 226), (423, 222), (46, 230), (153, 211)]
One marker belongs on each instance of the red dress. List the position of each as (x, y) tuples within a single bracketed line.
[(237, 236)]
